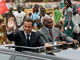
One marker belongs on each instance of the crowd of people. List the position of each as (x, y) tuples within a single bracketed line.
[(38, 29)]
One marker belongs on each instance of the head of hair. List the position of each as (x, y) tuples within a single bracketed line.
[(75, 10), (19, 8), (70, 4), (29, 20), (42, 8), (36, 5)]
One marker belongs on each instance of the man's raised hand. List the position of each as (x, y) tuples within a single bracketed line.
[(11, 23)]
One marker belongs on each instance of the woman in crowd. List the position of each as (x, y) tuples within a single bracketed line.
[(68, 24)]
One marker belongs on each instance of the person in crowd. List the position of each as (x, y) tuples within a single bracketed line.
[(53, 35), (19, 16), (2, 30), (68, 24), (11, 4), (30, 15), (36, 6), (57, 15), (9, 12), (42, 14), (79, 18), (36, 15), (24, 37), (60, 26), (62, 4), (75, 20)]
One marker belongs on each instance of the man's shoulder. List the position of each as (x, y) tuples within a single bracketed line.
[(41, 29), (36, 33)]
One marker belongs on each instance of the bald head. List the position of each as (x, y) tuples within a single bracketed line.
[(48, 22), (46, 18)]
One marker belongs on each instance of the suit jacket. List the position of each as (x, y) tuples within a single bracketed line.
[(20, 39), (56, 35)]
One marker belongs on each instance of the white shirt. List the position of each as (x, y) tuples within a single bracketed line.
[(19, 17), (27, 34), (75, 19)]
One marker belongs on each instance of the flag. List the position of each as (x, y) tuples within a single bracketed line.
[(3, 7)]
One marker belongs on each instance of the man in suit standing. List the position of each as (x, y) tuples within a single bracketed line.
[(24, 37), (54, 35)]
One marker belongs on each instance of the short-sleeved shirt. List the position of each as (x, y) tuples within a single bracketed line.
[(66, 13), (19, 17), (57, 16)]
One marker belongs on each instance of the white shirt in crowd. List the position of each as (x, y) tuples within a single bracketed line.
[(19, 17), (75, 19)]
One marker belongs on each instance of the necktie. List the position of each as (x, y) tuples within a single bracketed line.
[(28, 41), (50, 33)]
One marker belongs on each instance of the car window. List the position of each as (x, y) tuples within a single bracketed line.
[(4, 56), (21, 58), (27, 58)]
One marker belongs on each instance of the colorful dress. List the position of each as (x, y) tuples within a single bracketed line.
[(68, 31)]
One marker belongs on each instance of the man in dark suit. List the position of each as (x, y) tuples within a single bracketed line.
[(25, 37)]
